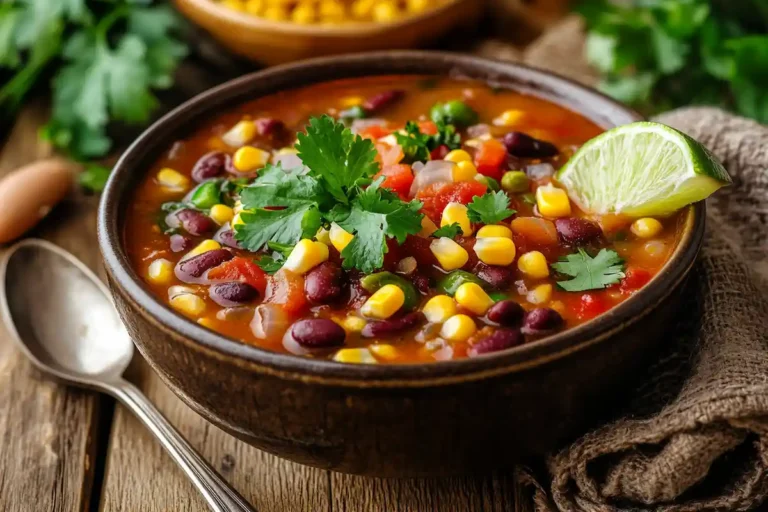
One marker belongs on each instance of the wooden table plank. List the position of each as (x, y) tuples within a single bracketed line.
[(141, 476), (47, 431)]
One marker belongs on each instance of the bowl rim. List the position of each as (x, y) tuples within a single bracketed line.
[(158, 137), (349, 29)]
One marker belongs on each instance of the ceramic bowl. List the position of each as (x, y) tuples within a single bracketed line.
[(276, 42), (421, 419)]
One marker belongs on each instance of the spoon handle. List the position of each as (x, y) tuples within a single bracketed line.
[(221, 497)]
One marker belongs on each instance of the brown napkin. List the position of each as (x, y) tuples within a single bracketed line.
[(695, 434)]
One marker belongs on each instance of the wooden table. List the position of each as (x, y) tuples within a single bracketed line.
[(62, 449)]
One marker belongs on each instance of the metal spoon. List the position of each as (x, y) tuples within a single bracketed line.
[(60, 315)]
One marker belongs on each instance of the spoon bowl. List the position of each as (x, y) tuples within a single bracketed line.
[(61, 316)]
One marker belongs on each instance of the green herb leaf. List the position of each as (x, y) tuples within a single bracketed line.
[(269, 264), (335, 156), (589, 273), (450, 231), (414, 144), (275, 187), (286, 226), (94, 177), (491, 208), (446, 135)]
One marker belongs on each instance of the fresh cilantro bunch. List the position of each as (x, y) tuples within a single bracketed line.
[(659, 54), (286, 206), (104, 59)]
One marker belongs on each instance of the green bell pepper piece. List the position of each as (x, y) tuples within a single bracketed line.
[(450, 283), (371, 283), (206, 195)]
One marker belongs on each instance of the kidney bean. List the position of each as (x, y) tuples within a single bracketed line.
[(210, 165), (180, 243), (194, 222), (268, 126), (324, 284), (497, 278), (358, 295), (226, 236), (577, 231), (542, 321), (318, 333), (382, 100), (502, 339), (522, 145), (196, 266), (385, 327), (506, 312), (232, 294), (421, 282)]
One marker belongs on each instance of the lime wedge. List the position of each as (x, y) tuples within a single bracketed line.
[(641, 169)]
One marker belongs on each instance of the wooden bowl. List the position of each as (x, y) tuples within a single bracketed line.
[(441, 418), (275, 42)]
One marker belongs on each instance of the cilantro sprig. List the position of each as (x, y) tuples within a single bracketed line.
[(285, 206), (417, 146), (590, 273), (490, 208), (449, 231)]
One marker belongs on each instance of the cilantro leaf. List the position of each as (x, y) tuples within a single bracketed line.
[(589, 273), (372, 218), (94, 177), (490, 208), (269, 264), (446, 135), (286, 226), (450, 231), (276, 187), (414, 144), (335, 156)]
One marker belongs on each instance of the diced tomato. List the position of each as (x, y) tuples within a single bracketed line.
[(374, 132), (286, 289), (436, 197), (388, 155), (428, 127), (635, 279), (439, 152), (398, 178), (590, 305), (491, 159), (536, 231), (240, 269)]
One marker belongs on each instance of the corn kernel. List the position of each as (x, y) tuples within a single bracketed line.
[(458, 328), (533, 264), (238, 218), (160, 271), (464, 171), (384, 303), (173, 291), (305, 256), (332, 11), (540, 295), (209, 323), (353, 323), (552, 201), (495, 250), (352, 101), (248, 158), (303, 14), (204, 246), (384, 351), (472, 297), (494, 231), (385, 12), (458, 155), (275, 13), (646, 227), (457, 212), (323, 236), (172, 179), (363, 8), (439, 308), (188, 303), (221, 214), (449, 254), (415, 6), (340, 238), (254, 7), (355, 355), (509, 118), (427, 227), (240, 134)]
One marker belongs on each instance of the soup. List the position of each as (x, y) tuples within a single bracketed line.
[(397, 219)]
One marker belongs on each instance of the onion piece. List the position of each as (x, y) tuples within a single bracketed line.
[(435, 171), (539, 171), (269, 322), (288, 160)]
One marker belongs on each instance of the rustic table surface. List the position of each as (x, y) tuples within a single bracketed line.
[(65, 449)]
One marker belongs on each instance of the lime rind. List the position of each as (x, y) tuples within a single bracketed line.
[(641, 169)]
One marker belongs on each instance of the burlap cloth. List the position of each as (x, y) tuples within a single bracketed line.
[(695, 434)]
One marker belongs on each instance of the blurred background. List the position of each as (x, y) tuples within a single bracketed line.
[(103, 69)]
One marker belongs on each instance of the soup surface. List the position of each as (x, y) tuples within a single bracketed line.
[(417, 219)]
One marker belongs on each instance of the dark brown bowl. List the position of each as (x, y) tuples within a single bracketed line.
[(424, 419)]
